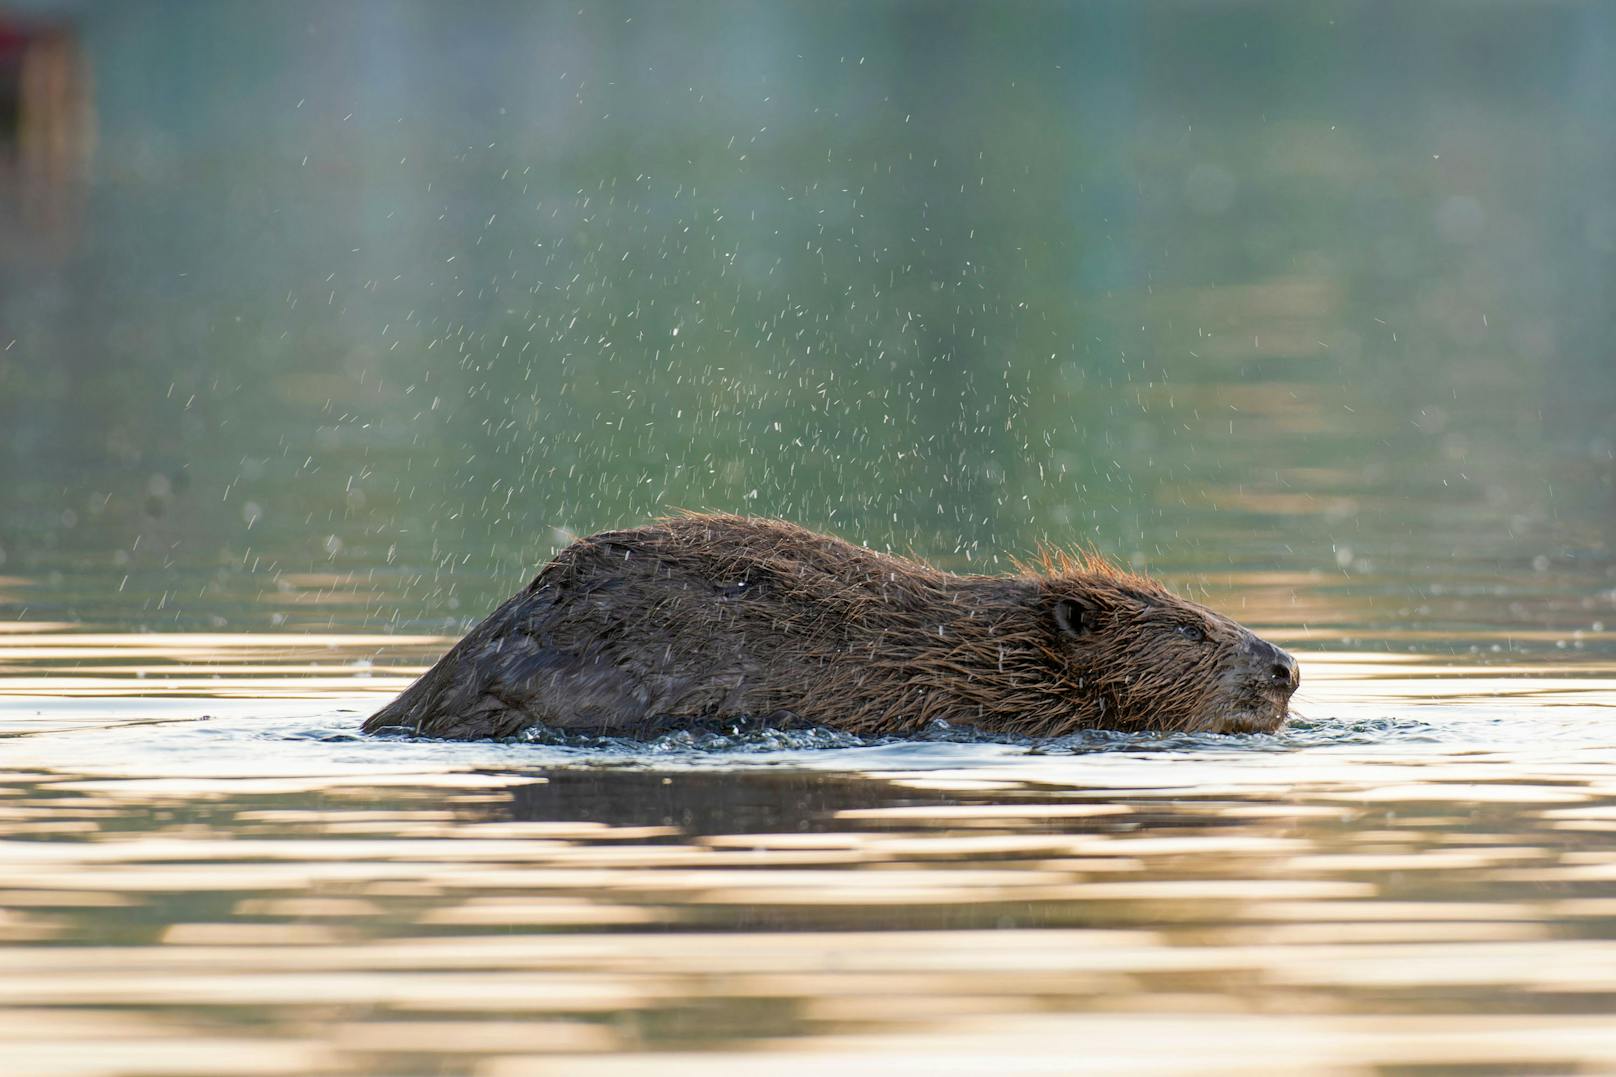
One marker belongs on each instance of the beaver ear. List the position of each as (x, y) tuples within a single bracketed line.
[(1073, 617)]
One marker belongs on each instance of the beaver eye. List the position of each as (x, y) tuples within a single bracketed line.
[(1193, 633)]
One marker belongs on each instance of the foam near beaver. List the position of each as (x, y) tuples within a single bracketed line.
[(702, 618)]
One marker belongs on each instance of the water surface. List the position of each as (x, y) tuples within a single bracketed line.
[(206, 868)]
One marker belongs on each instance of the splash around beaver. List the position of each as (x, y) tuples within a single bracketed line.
[(701, 618)]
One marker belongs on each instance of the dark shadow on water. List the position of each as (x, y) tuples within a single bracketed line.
[(706, 802), (774, 802)]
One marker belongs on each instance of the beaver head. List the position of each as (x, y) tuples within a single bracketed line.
[(1144, 658)]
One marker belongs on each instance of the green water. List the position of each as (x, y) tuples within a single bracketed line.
[(353, 314), (345, 317)]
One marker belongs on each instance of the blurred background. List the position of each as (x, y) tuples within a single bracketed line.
[(345, 316)]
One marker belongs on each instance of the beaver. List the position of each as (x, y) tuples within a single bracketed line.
[(703, 618)]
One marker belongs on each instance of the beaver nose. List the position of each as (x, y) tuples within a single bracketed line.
[(1277, 665)]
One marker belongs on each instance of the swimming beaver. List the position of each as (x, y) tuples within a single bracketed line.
[(702, 617)]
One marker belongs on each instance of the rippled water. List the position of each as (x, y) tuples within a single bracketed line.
[(204, 868)]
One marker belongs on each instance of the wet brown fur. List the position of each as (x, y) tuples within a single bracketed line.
[(709, 617)]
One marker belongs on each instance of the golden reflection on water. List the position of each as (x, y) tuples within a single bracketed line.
[(1436, 893)]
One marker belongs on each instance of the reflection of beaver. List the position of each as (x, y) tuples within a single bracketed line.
[(702, 618)]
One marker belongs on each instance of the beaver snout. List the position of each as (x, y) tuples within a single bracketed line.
[(1272, 667), (1257, 688)]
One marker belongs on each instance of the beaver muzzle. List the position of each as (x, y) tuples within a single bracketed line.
[(1271, 665), (1258, 688)]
